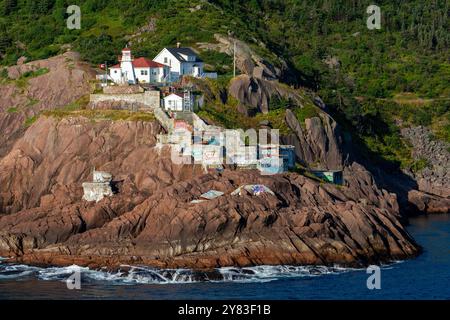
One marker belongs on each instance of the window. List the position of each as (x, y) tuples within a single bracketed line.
[(115, 71), (165, 60), (144, 72)]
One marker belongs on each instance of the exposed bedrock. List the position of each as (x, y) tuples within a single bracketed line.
[(151, 219), (53, 158), (257, 93), (61, 80), (433, 181), (318, 143)]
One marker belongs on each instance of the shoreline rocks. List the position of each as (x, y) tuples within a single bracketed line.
[(151, 220)]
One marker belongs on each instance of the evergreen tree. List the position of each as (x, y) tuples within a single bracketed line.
[(9, 6)]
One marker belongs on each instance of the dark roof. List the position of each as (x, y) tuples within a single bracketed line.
[(177, 52)]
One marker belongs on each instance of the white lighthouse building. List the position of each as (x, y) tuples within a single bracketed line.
[(168, 66), (127, 74)]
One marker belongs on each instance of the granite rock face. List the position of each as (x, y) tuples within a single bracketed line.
[(435, 178), (67, 80), (54, 157), (318, 143), (151, 220), (433, 182), (247, 61), (257, 93)]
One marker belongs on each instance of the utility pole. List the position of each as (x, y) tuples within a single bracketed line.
[(234, 59), (106, 73)]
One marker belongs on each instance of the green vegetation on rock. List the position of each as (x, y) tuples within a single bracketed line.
[(306, 112), (369, 79), (30, 120), (100, 115)]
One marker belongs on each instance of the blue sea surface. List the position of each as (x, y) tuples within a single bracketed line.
[(425, 277)]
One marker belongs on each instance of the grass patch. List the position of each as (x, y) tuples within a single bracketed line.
[(100, 115), (441, 128), (308, 111), (229, 117), (410, 98), (30, 120), (299, 169), (22, 81), (31, 102), (419, 165), (79, 104), (12, 110), (225, 116), (4, 77), (35, 73), (276, 119)]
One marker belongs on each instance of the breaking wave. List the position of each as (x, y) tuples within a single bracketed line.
[(128, 275)]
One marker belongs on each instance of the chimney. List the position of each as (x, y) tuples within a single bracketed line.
[(178, 44)]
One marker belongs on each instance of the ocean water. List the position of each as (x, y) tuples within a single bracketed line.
[(425, 277)]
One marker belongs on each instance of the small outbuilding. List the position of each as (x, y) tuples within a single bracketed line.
[(99, 188), (179, 102), (331, 176)]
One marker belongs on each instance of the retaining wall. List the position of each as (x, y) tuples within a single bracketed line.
[(149, 98)]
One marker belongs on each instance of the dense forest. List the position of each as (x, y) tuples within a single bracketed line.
[(368, 78)]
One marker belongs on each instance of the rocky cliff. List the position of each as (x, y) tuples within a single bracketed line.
[(151, 219), (54, 156), (433, 181), (318, 144), (59, 80)]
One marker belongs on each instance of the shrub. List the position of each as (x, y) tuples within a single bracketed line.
[(30, 120), (419, 165), (306, 112)]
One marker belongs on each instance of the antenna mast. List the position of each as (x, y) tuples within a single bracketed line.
[(234, 59)]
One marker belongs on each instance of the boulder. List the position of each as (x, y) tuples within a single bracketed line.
[(317, 143)]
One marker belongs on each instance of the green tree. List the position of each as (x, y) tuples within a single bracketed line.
[(9, 6)]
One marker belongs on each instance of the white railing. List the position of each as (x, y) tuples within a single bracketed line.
[(103, 77)]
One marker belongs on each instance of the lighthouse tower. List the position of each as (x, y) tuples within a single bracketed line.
[(126, 66)]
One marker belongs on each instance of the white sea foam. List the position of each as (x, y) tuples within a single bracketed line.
[(128, 275), (15, 271)]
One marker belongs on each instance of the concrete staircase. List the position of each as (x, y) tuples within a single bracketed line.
[(185, 116), (163, 119)]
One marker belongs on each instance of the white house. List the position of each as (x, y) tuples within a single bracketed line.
[(142, 70), (179, 102), (182, 61)]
